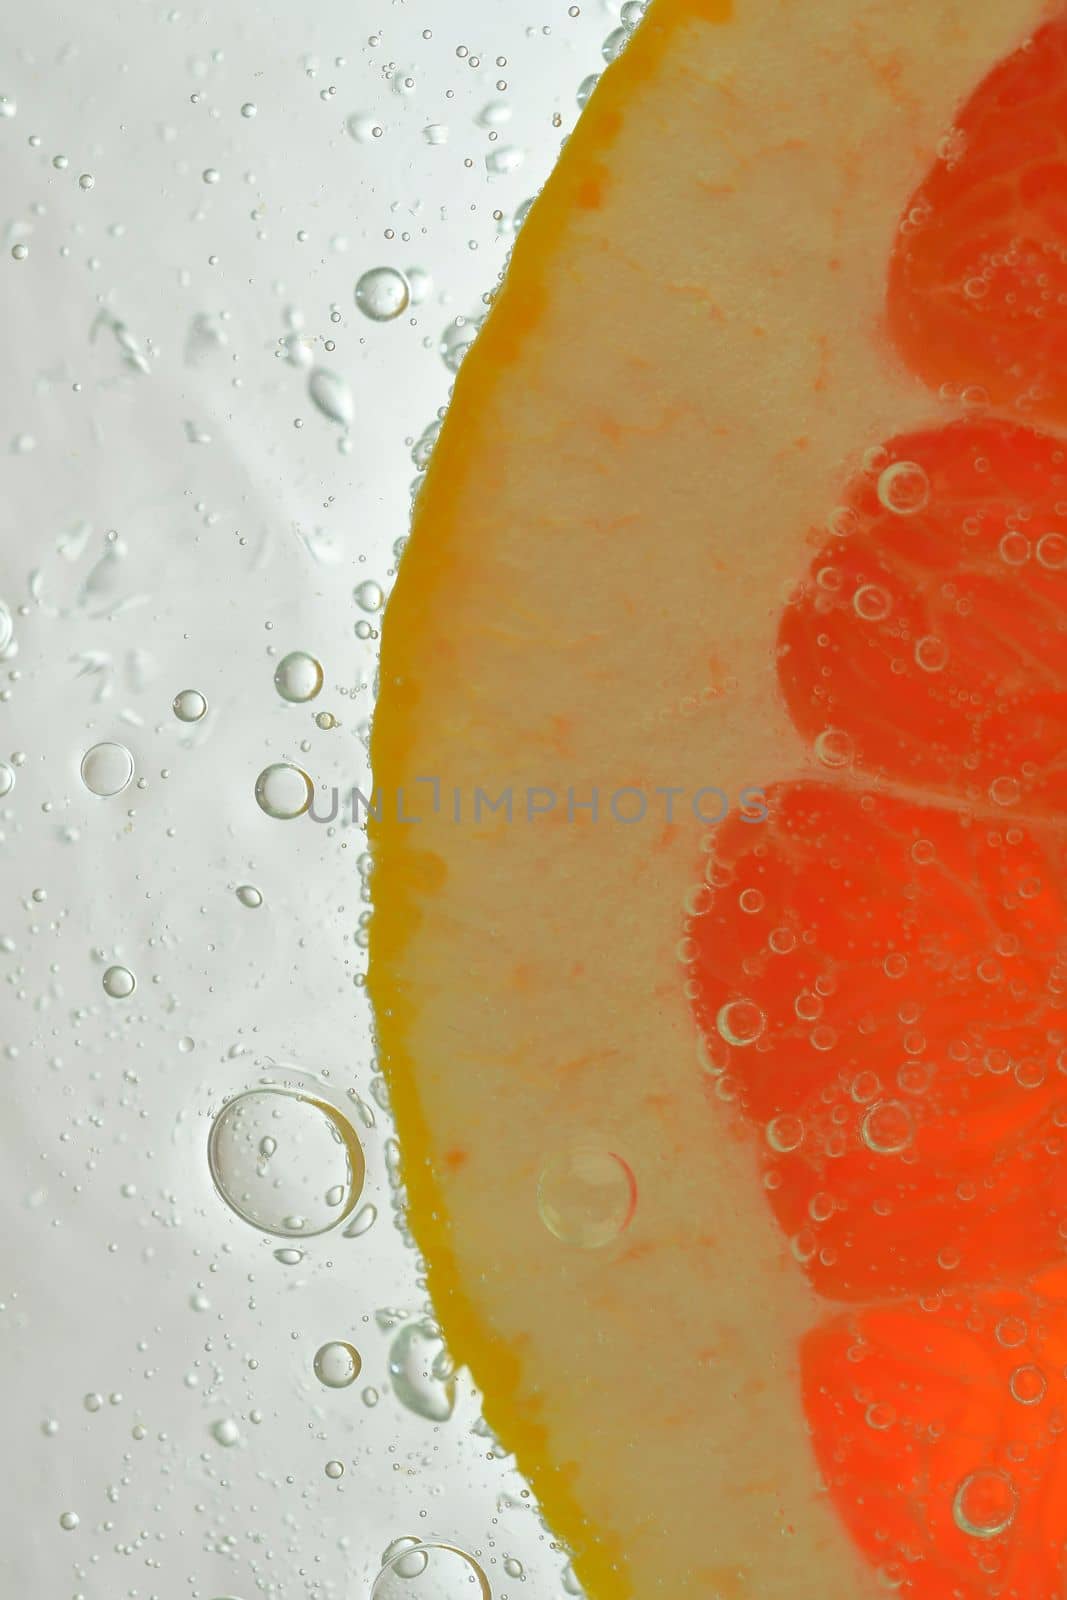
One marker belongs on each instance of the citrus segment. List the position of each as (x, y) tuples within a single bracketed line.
[(938, 1430), (927, 642), (978, 280), (877, 983)]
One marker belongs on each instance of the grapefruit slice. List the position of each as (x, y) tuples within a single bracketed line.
[(579, 676)]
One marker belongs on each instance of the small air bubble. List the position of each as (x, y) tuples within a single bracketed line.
[(904, 488)]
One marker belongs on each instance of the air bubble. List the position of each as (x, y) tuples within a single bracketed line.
[(458, 337), (585, 89), (430, 1569), (872, 602), (984, 1504), (1014, 549), (315, 1150), (1052, 551), (415, 1368), (368, 595), (362, 1222), (615, 44), (785, 1134), (337, 1364), (189, 706), (740, 1022), (298, 677), (382, 294), (106, 769), (249, 896), (332, 395), (1028, 1385), (904, 488), (887, 1128), (931, 653), (119, 983), (1005, 791), (586, 1196), (284, 791), (834, 747)]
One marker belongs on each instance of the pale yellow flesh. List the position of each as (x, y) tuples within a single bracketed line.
[(658, 414)]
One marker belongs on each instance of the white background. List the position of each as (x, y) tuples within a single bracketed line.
[(165, 524)]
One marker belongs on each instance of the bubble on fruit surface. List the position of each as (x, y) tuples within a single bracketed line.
[(904, 488), (834, 747), (984, 1504), (369, 595), (586, 1195), (740, 1022), (631, 12), (615, 44), (286, 1160), (570, 1582), (284, 791), (119, 983), (785, 1133), (106, 769), (337, 1364), (1005, 791), (431, 1569), (332, 396), (189, 705), (871, 602), (585, 90), (931, 653), (1028, 1385), (1014, 548), (298, 677), (1051, 551), (887, 1128), (421, 1373), (382, 294), (458, 337)]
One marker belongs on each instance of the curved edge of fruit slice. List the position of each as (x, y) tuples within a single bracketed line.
[(403, 875)]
